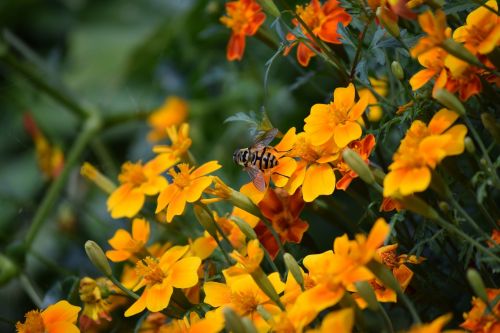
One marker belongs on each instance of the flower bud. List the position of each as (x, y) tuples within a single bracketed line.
[(491, 126), (469, 145), (244, 227), (248, 325), (459, 51), (366, 292), (269, 7), (449, 100), (477, 284), (91, 173), (397, 70), (233, 321), (294, 269), (205, 220), (8, 269), (389, 24), (97, 256), (357, 165), (445, 208), (419, 206), (264, 313), (266, 286)]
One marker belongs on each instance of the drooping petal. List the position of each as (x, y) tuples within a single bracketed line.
[(235, 47), (184, 273), (421, 77), (118, 256), (304, 54), (319, 180)]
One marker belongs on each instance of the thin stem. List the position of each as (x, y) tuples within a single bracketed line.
[(385, 317), (90, 128), (31, 290), (358, 50), (467, 217)]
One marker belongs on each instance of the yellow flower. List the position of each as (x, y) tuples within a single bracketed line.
[(341, 321), (437, 32), (433, 61), (435, 326), (173, 112), (212, 323), (481, 33), (160, 276), (179, 142), (57, 318), (126, 245), (203, 246), (421, 150), (187, 186), (339, 119), (249, 262), (137, 181), (97, 301)]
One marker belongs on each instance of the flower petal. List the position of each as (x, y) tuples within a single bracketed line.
[(138, 306), (62, 327), (118, 256), (343, 98), (319, 180), (129, 205), (172, 255), (140, 230), (217, 294), (121, 240), (61, 311), (184, 273), (158, 297), (176, 206), (421, 78), (206, 168), (166, 197), (415, 180), (346, 133), (196, 188)]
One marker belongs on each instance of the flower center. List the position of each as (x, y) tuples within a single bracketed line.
[(389, 258), (238, 17), (150, 270), (182, 178), (33, 323), (133, 173), (246, 302)]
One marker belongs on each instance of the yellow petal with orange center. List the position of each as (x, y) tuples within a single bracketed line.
[(343, 98), (421, 78), (217, 294), (176, 206), (196, 188), (130, 204), (158, 297), (346, 133), (140, 230), (166, 197), (184, 273), (206, 168), (319, 180), (61, 311), (415, 180)]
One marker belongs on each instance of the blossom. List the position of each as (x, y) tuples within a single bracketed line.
[(421, 150), (97, 301), (244, 17), (212, 323), (247, 263), (322, 20), (160, 276), (137, 181), (126, 245), (433, 61), (173, 112), (339, 119), (56, 318), (389, 204), (434, 24), (374, 112), (364, 148), (187, 186), (180, 142), (481, 33), (283, 211), (481, 320), (341, 321)]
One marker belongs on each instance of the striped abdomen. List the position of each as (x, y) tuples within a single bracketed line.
[(262, 158)]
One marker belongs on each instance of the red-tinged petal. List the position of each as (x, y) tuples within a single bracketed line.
[(171, 256), (184, 273), (236, 47), (158, 297), (61, 311), (217, 294), (319, 180), (196, 188), (415, 180), (206, 168), (129, 206), (118, 256), (121, 240), (344, 182), (166, 197), (304, 54), (346, 133), (270, 205), (257, 21)]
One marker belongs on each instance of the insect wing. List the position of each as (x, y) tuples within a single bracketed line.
[(257, 177), (265, 138)]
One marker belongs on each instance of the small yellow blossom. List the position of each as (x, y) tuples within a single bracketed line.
[(126, 245), (180, 142), (173, 112)]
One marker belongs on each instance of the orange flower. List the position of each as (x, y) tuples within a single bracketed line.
[(283, 211), (323, 21), (126, 245), (481, 33), (57, 318), (180, 142), (437, 32), (389, 204), (421, 150), (433, 61), (137, 181), (495, 237), (160, 276), (187, 186), (244, 17), (364, 148), (339, 119), (341, 321), (212, 323), (248, 262), (435, 326), (173, 112), (479, 319)]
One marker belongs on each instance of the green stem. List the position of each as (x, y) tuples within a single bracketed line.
[(31, 290), (104, 155), (90, 128), (385, 317), (360, 46)]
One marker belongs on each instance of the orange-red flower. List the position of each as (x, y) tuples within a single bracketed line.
[(244, 17), (481, 320), (322, 20), (137, 181), (421, 150), (364, 148), (173, 112), (57, 318), (126, 245), (187, 186), (283, 211)]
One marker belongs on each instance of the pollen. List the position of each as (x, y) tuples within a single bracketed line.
[(150, 270), (133, 173), (33, 324), (246, 302), (182, 178)]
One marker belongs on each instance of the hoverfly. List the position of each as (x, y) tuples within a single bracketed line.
[(258, 158)]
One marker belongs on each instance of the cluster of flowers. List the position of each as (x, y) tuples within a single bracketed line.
[(226, 277)]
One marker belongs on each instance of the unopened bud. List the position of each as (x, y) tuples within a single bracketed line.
[(419, 206), (449, 100), (269, 7), (397, 70), (469, 145), (357, 165), (491, 126), (445, 208), (205, 220), (266, 286), (294, 269), (233, 321), (91, 173), (459, 51), (97, 256), (248, 325), (244, 227), (264, 313), (8, 269), (389, 24), (366, 292), (477, 284)]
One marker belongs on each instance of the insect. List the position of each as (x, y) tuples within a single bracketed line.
[(258, 158)]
